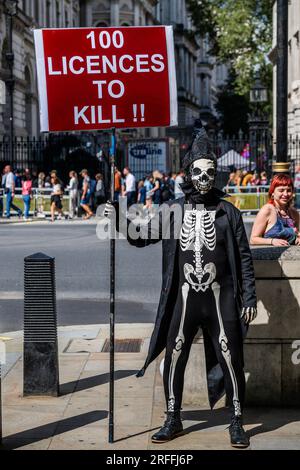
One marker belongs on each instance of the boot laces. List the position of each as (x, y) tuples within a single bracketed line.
[(236, 422)]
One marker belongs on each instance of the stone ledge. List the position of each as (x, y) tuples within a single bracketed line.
[(262, 252), (276, 262)]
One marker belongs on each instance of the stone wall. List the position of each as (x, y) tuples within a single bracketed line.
[(272, 377)]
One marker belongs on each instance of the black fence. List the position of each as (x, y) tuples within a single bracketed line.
[(294, 152), (60, 152), (74, 152)]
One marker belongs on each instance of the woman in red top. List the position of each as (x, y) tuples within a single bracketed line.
[(26, 194)]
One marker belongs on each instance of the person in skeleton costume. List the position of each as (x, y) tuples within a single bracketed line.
[(208, 282)]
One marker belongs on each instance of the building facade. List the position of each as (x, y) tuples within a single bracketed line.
[(293, 67), (198, 76), (104, 13), (211, 77), (30, 14)]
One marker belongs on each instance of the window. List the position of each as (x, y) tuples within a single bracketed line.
[(67, 22), (48, 6), (101, 24), (36, 11), (57, 14), (28, 102)]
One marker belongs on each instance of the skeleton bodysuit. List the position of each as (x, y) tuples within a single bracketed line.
[(205, 298)]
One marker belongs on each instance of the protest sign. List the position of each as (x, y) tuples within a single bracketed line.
[(101, 78)]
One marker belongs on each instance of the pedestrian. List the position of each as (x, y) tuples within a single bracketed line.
[(118, 177), (148, 184), (27, 195), (246, 181), (2, 184), (18, 179), (255, 180), (277, 222), (172, 177), (100, 190), (9, 187), (93, 184), (130, 189), (41, 180), (56, 195), (156, 190), (166, 190), (178, 181), (263, 178), (238, 180), (53, 174), (48, 182), (86, 194), (141, 193), (231, 183), (73, 193)]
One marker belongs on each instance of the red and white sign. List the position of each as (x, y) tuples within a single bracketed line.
[(100, 78)]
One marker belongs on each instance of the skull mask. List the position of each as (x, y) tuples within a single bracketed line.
[(203, 174)]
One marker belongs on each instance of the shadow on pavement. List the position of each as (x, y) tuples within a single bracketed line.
[(90, 382), (266, 417), (136, 434), (51, 429)]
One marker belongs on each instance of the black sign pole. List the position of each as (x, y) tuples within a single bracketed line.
[(112, 295)]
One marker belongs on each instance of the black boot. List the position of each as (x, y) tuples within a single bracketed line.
[(238, 436), (171, 428)]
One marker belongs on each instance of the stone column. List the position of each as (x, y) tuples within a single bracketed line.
[(136, 13), (185, 77), (42, 13), (115, 13), (297, 120)]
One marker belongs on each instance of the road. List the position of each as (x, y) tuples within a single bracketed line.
[(82, 274)]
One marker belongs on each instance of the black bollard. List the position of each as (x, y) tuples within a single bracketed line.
[(41, 373)]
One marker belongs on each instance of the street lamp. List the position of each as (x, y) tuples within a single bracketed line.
[(10, 10), (258, 93), (282, 163), (258, 125)]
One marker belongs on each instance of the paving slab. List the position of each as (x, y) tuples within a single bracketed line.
[(78, 418)]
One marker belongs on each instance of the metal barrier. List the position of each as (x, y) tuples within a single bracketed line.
[(248, 198), (40, 202)]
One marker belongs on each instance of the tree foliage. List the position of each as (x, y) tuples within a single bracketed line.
[(240, 33)]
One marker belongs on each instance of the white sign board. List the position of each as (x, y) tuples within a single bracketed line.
[(145, 156)]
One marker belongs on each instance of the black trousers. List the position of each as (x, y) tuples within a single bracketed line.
[(225, 332)]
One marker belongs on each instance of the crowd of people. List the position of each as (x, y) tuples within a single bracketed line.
[(85, 192), (154, 188), (246, 181)]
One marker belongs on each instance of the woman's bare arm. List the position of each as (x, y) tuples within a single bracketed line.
[(259, 228)]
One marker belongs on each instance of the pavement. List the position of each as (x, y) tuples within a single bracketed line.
[(78, 418)]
